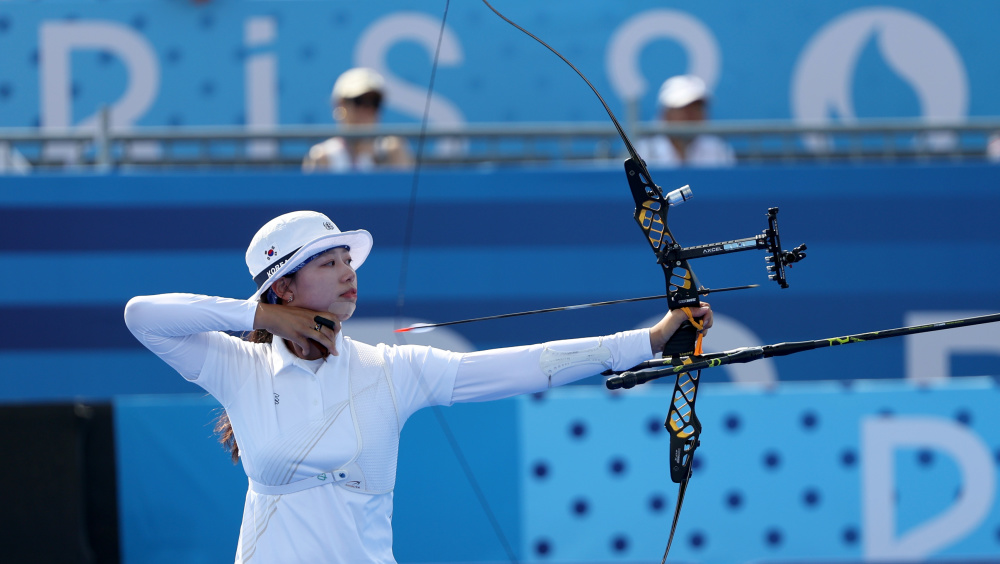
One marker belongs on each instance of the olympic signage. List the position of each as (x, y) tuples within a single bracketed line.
[(265, 63)]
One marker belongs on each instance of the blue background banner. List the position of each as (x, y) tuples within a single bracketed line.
[(888, 246), (265, 63)]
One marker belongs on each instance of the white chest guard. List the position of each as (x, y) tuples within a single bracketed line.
[(372, 469)]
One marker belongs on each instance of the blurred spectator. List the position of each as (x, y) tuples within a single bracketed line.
[(993, 148), (12, 161), (683, 100), (356, 99)]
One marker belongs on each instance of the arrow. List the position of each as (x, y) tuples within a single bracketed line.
[(424, 327)]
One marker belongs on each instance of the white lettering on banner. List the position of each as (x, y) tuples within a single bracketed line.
[(58, 40), (728, 333), (260, 79), (627, 42), (880, 437), (928, 355), (912, 47), (373, 47)]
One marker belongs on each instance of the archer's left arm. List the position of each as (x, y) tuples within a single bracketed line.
[(500, 373)]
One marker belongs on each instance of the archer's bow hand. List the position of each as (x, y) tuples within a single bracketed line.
[(660, 333)]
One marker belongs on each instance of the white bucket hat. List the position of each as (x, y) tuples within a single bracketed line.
[(679, 91), (286, 241)]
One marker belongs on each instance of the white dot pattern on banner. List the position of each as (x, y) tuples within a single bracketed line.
[(777, 475)]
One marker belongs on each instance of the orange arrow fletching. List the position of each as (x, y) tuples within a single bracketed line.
[(416, 328)]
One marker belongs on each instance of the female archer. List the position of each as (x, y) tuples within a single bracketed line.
[(314, 415)]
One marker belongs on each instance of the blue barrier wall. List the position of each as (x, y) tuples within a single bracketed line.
[(807, 472), (887, 246), (181, 498), (274, 62)]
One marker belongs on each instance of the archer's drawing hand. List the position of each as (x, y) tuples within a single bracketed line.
[(298, 326), (660, 333)]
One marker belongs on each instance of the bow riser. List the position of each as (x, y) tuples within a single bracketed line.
[(651, 214)]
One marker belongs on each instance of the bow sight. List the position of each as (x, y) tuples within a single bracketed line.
[(769, 240), (672, 255)]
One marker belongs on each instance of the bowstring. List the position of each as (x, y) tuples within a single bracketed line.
[(621, 131), (401, 300)]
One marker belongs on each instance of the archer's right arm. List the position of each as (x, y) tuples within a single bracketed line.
[(179, 328)]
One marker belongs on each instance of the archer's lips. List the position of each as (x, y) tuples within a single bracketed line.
[(351, 294)]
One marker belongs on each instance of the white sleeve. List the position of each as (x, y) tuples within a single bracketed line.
[(501, 373), (422, 376), (180, 328)]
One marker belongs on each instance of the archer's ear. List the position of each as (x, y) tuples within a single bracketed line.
[(280, 287)]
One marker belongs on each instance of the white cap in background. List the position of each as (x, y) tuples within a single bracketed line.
[(682, 90), (356, 82)]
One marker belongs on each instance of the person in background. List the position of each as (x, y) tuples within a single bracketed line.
[(683, 100), (993, 148), (357, 98)]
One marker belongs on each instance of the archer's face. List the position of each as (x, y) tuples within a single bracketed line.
[(327, 283)]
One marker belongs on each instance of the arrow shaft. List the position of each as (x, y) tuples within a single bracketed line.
[(532, 312), (703, 291)]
